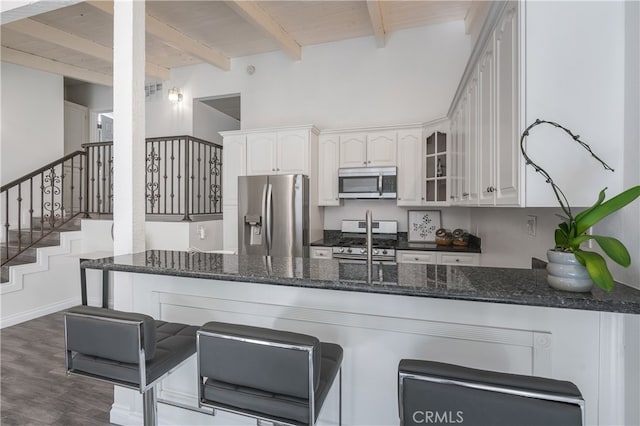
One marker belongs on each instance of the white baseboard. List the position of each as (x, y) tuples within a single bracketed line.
[(37, 312)]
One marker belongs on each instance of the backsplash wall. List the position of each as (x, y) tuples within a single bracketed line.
[(452, 217), (505, 241)]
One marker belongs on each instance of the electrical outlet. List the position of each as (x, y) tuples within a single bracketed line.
[(532, 224)]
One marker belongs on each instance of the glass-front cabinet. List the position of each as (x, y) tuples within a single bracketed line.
[(436, 172)]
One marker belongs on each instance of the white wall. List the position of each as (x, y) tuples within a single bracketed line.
[(94, 96), (575, 76), (343, 84), (32, 117), (208, 121)]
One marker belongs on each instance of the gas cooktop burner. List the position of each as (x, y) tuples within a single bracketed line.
[(361, 242)]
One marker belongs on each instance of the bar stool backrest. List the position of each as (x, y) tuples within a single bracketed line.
[(439, 393), (110, 334), (274, 361)]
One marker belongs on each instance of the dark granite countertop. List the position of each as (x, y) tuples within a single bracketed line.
[(496, 285)]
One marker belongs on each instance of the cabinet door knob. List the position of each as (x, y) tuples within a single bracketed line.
[(273, 170), (399, 198), (457, 260), (416, 259), (369, 161), (422, 198), (336, 198), (278, 169)]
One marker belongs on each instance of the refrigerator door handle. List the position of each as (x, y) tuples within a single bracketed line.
[(264, 209), (269, 219)]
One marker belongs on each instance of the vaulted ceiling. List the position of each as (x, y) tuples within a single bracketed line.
[(77, 41)]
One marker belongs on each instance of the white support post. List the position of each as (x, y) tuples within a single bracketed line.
[(128, 137)]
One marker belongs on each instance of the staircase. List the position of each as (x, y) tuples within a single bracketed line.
[(26, 236)]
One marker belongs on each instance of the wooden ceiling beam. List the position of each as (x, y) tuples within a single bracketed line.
[(67, 40), (256, 16), (175, 38), (377, 21), (44, 64)]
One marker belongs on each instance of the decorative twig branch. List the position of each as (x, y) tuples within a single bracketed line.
[(562, 199)]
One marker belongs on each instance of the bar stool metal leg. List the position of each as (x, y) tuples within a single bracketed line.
[(150, 407)]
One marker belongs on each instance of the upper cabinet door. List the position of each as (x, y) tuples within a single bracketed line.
[(470, 186), (485, 128), (328, 160), (410, 155), (261, 154), (353, 150), (381, 149), (235, 164), (507, 159), (293, 152)]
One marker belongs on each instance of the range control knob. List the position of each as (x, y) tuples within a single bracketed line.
[(384, 252), (362, 251), (341, 250), (375, 251), (349, 250)]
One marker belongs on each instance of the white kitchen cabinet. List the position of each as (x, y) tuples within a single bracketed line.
[(411, 173), (292, 152), (437, 169), (507, 154), (437, 258), (414, 256), (321, 252), (278, 153), (234, 160), (485, 127), (328, 163), (468, 259), (230, 228), (353, 150), (470, 180), (381, 149), (375, 149), (455, 157)]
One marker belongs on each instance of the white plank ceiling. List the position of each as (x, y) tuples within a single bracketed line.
[(77, 40)]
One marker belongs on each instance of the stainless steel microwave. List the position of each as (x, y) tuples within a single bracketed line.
[(367, 182)]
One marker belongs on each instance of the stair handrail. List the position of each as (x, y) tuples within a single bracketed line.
[(44, 168), (52, 184)]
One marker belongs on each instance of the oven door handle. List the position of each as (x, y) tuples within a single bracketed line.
[(380, 184)]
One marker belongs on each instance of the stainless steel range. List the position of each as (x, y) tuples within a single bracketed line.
[(352, 243)]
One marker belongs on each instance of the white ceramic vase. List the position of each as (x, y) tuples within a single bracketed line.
[(566, 273)]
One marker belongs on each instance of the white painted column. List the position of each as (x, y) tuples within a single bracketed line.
[(128, 161), (129, 125)]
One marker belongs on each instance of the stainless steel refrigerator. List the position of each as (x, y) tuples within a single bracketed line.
[(273, 215)]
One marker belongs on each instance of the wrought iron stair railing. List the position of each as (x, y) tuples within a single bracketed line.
[(41, 202), (183, 181)]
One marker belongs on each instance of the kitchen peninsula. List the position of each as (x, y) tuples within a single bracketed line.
[(493, 318)]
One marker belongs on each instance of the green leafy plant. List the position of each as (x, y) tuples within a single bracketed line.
[(571, 232)]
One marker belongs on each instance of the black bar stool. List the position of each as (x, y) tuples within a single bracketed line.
[(271, 375), (437, 393), (127, 349)]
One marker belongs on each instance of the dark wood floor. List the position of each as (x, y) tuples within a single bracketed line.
[(34, 388)]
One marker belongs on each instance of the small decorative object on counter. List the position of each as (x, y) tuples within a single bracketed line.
[(443, 237), (460, 238)]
